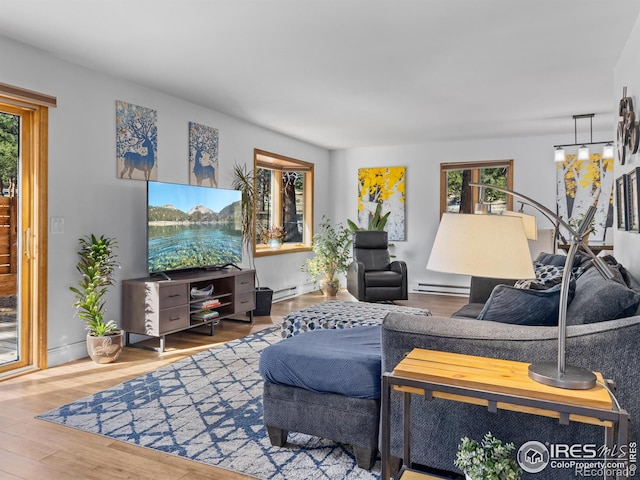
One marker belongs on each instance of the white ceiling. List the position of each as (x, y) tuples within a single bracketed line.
[(352, 73)]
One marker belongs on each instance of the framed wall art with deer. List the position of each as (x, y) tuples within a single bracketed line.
[(203, 155), (136, 141)]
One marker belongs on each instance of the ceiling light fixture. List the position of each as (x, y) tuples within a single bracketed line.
[(583, 151), (607, 151)]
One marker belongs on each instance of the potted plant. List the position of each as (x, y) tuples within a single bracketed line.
[(331, 246), (96, 265), (575, 222), (244, 181), (378, 221), (274, 237), (487, 460)]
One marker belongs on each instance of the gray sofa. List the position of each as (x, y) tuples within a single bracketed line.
[(603, 334), (611, 347)]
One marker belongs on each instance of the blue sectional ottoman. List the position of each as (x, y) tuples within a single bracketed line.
[(325, 383)]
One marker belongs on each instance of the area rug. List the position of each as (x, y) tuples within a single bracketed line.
[(208, 408)]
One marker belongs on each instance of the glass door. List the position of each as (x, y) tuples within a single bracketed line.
[(10, 325)]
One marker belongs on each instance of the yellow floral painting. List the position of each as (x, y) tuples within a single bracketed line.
[(384, 186), (581, 183)]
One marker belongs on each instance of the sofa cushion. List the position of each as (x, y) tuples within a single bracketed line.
[(546, 277), (470, 310), (559, 260), (345, 361), (523, 306), (598, 299)]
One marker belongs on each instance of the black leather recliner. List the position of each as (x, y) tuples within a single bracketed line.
[(372, 276)]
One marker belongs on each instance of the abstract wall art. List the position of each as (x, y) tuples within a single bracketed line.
[(580, 183), (384, 186)]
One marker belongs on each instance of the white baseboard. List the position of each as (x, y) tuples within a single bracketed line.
[(66, 353)]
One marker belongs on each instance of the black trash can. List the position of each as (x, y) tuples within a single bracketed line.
[(264, 296)]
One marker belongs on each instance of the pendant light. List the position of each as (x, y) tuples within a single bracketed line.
[(583, 150)]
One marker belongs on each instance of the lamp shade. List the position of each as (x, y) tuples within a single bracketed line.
[(583, 153), (559, 155), (481, 245), (529, 221)]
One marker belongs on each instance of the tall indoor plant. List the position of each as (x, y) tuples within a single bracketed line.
[(332, 256), (96, 265), (244, 181)]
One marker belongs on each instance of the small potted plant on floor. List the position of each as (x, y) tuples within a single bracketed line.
[(331, 246), (96, 266), (487, 460)]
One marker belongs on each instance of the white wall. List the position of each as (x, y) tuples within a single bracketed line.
[(627, 73), (534, 170), (85, 191)]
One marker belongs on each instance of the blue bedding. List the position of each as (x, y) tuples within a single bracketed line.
[(344, 361)]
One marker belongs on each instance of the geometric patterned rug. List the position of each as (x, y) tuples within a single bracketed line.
[(208, 408)]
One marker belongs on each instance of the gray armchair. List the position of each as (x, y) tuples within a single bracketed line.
[(372, 276)]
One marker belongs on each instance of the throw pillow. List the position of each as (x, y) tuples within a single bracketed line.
[(559, 260), (546, 276), (524, 307), (598, 299)]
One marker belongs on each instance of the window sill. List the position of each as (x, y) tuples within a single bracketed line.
[(265, 251)]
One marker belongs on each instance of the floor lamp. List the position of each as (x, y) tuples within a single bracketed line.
[(496, 246)]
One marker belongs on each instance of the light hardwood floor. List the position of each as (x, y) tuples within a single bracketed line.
[(33, 449)]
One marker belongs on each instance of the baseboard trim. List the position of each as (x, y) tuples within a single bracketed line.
[(66, 353)]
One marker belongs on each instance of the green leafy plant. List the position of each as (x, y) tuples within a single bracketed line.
[(331, 246), (487, 460), (575, 222), (244, 181), (96, 266), (378, 222)]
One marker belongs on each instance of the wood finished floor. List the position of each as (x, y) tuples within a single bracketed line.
[(33, 449)]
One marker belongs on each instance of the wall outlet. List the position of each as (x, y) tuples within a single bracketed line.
[(57, 225)]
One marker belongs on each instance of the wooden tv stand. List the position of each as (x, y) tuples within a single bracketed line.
[(156, 306)]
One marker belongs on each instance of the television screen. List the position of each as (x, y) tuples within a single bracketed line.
[(192, 227)]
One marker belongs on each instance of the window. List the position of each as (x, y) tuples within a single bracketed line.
[(457, 197), (284, 198)]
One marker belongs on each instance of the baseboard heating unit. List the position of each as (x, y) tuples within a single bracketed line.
[(435, 288)]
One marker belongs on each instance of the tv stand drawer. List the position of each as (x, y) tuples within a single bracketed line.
[(245, 302), (172, 295), (245, 282), (172, 319)]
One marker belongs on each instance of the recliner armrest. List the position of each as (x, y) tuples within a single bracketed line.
[(398, 266), (355, 280)]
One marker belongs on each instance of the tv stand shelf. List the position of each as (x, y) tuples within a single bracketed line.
[(156, 307)]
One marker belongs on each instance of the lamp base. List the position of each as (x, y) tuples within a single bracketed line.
[(573, 378)]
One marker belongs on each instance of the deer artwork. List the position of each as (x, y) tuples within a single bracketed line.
[(203, 172), (133, 159)]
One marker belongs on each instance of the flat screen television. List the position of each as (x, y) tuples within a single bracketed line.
[(192, 227)]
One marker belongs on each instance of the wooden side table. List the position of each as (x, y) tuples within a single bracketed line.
[(496, 384)]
